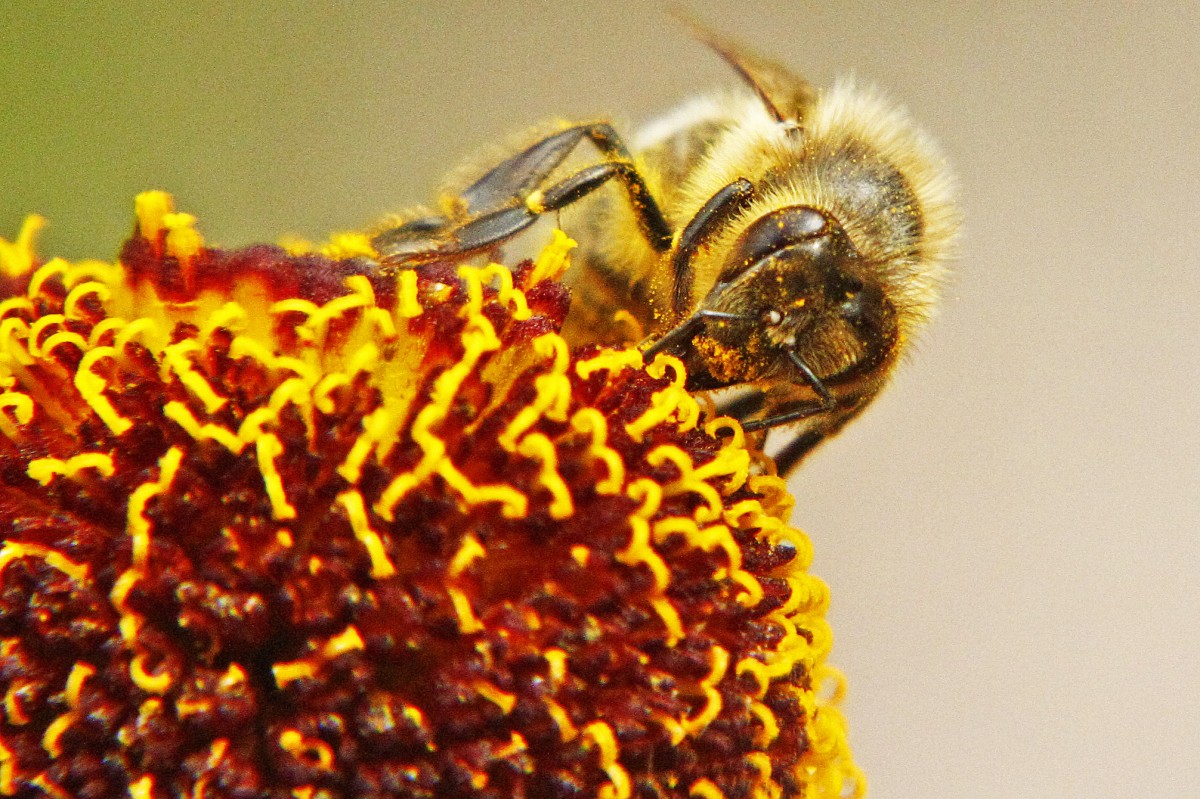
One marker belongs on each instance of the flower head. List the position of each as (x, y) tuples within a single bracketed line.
[(285, 525)]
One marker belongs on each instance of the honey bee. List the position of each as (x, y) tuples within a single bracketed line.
[(783, 240)]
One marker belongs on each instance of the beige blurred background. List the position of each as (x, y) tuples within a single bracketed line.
[(1012, 534)]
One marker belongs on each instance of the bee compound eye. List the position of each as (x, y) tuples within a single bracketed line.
[(775, 232)]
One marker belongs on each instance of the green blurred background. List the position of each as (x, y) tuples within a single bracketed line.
[(1012, 534)]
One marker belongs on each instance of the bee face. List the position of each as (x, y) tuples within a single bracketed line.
[(787, 242), (794, 290)]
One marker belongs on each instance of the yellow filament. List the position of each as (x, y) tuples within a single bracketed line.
[(175, 360), (347, 641), (142, 788), (536, 445), (285, 673), (150, 207), (601, 736), (268, 448), (712, 706), (553, 391), (8, 763), (136, 523), (312, 751), (561, 719), (468, 623), (180, 414), (71, 303), (54, 268), (38, 329), (468, 552), (54, 731), (590, 420), (16, 257), (670, 619), (183, 240), (409, 305), (705, 789), (609, 360), (356, 511), (91, 387), (80, 671), (557, 660), (501, 699), (148, 682), (13, 550), (770, 727), (554, 259), (639, 551)]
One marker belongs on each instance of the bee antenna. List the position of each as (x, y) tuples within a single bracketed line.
[(785, 95)]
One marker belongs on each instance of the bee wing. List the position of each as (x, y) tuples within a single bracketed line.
[(786, 95)]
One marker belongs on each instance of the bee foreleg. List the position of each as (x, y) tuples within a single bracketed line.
[(719, 209)]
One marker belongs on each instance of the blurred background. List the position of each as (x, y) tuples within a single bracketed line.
[(1012, 533)]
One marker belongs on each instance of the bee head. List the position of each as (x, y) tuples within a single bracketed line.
[(794, 293)]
